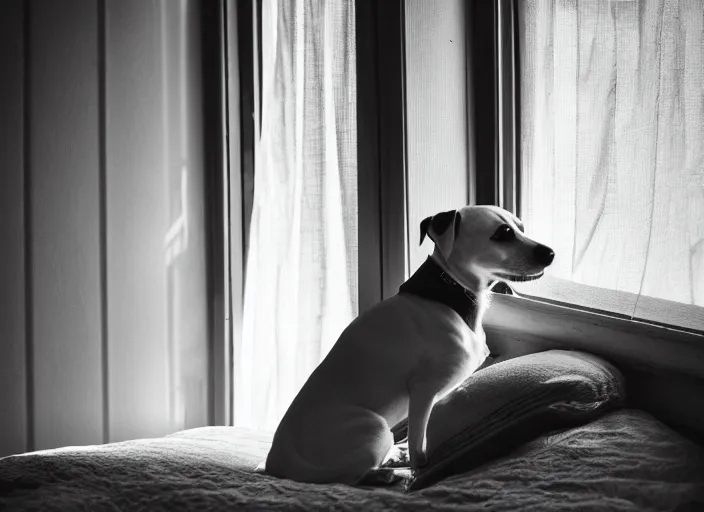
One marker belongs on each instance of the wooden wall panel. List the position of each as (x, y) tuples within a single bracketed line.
[(105, 303), (13, 396), (137, 221), (64, 225), (436, 98)]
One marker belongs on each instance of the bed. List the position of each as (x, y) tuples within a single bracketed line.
[(625, 460)]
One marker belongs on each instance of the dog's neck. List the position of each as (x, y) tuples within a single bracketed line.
[(433, 281)]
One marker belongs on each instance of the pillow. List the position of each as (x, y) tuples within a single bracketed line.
[(509, 403)]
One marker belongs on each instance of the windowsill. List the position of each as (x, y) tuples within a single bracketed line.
[(517, 325), (616, 303)]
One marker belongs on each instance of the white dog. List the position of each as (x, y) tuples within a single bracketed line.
[(403, 354)]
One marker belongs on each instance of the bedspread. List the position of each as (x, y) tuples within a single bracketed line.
[(627, 460)]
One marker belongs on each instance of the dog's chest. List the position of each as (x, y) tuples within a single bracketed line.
[(440, 331), (433, 327)]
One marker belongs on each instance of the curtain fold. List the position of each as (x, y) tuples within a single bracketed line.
[(613, 147), (301, 276)]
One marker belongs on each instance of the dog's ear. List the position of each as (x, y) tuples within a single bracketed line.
[(442, 229)]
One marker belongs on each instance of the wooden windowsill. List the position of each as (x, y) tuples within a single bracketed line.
[(517, 325)]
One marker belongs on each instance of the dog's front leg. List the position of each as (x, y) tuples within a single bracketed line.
[(420, 403)]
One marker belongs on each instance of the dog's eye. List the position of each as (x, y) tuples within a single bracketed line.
[(504, 233)]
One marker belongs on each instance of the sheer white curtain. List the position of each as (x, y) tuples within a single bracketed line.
[(301, 276), (612, 109)]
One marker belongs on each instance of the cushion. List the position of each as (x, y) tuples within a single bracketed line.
[(509, 403)]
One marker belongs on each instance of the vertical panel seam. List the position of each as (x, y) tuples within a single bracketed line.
[(226, 25), (102, 177), (379, 166), (26, 143), (404, 141)]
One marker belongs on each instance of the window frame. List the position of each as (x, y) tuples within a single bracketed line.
[(519, 325), (217, 67), (493, 72), (381, 149), (232, 57), (382, 223), (669, 361), (382, 177)]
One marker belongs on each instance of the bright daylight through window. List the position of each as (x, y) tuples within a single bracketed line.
[(612, 154)]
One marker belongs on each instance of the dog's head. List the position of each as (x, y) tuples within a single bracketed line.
[(487, 243)]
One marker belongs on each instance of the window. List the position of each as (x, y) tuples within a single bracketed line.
[(434, 93), (301, 274), (610, 154)]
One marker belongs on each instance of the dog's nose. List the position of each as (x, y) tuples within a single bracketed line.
[(543, 254)]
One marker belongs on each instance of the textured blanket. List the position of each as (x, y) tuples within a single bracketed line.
[(627, 460)]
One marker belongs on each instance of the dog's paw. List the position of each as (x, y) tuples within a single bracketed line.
[(397, 457), (385, 477)]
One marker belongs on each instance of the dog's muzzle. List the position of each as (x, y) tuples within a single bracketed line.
[(542, 255)]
